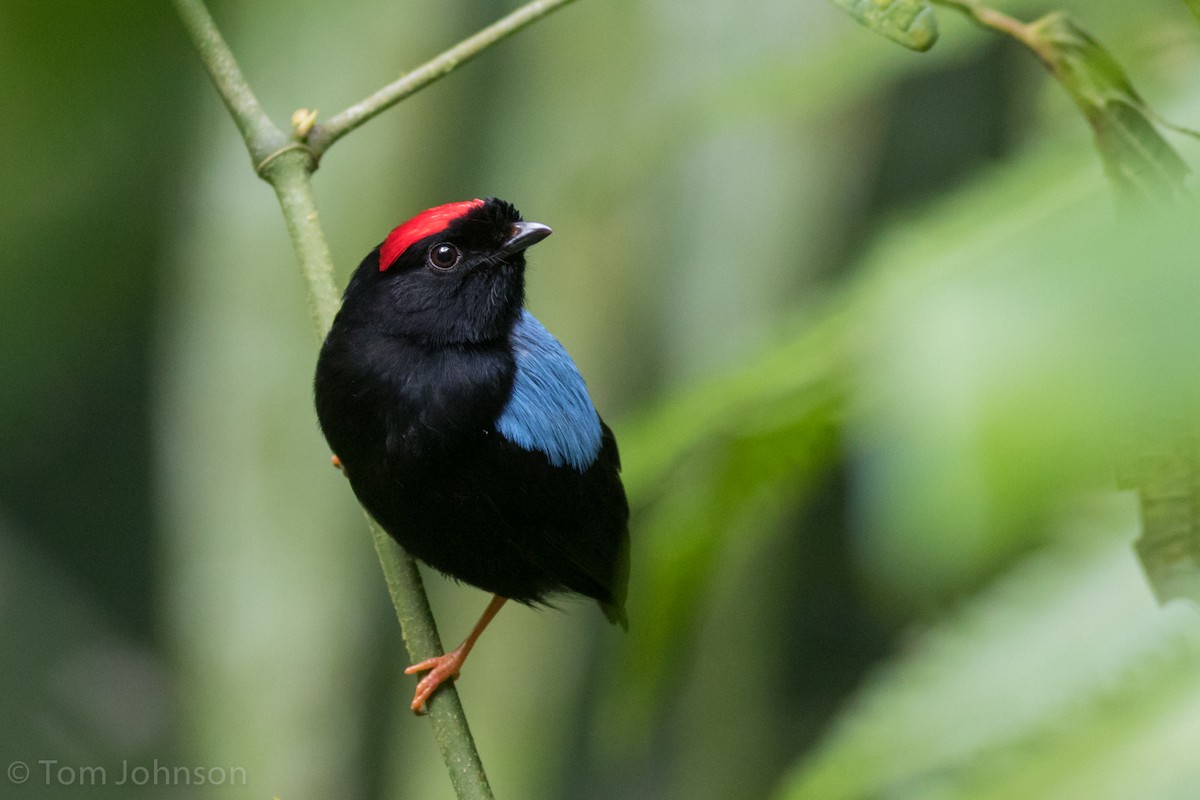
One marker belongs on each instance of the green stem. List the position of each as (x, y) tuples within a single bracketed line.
[(450, 729), (1000, 22), (322, 136), (289, 174), (261, 135), (288, 167)]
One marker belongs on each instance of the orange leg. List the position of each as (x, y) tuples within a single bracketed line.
[(445, 667), (337, 462)]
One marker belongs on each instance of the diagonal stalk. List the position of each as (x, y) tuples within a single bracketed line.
[(322, 136), (289, 174), (287, 164), (1000, 22), (261, 135)]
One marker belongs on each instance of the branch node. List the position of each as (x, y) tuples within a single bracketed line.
[(261, 167)]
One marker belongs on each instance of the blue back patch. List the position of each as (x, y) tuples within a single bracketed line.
[(549, 410)]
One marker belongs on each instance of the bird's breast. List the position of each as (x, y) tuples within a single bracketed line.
[(437, 400)]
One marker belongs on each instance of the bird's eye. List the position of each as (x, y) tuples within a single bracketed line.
[(443, 255)]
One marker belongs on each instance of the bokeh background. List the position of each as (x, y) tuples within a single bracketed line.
[(868, 325)]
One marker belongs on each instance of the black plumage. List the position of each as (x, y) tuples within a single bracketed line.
[(463, 427)]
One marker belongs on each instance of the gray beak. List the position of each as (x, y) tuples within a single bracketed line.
[(525, 234)]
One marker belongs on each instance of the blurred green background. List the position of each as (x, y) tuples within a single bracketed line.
[(867, 324)]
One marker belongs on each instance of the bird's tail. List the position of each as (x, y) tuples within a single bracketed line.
[(616, 614)]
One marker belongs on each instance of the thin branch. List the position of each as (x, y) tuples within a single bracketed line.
[(261, 135), (290, 175), (322, 136), (450, 728), (288, 166), (1001, 23)]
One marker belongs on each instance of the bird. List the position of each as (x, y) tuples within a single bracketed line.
[(464, 427)]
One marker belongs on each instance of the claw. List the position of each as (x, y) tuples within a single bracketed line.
[(441, 669), (445, 667)]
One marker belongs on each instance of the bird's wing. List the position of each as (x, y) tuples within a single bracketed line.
[(549, 410), (565, 489), (574, 525)]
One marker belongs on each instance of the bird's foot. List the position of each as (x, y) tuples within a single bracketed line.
[(441, 669), (445, 667), (337, 462)]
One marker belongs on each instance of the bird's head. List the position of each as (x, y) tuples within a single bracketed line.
[(454, 274)]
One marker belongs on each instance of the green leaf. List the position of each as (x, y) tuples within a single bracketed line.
[(1194, 5), (907, 22), (1142, 165), (1063, 680), (1166, 474), (1138, 159)]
